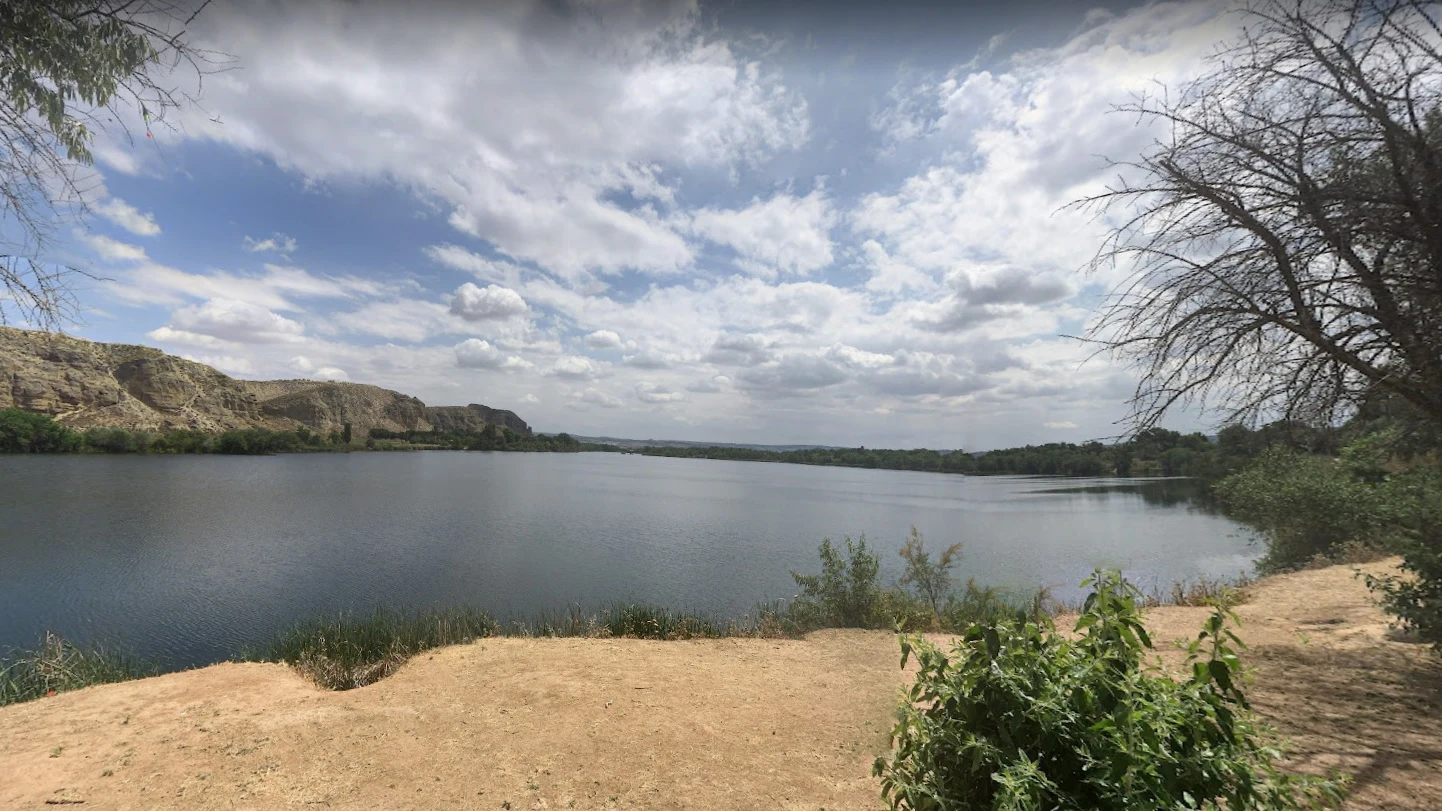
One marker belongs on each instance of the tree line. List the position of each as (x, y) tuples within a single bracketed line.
[(1152, 452)]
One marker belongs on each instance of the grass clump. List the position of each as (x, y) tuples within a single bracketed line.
[(348, 651), (1018, 717), (56, 666)]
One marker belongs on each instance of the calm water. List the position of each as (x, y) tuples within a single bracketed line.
[(187, 559)]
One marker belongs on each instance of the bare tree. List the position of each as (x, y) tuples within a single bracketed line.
[(67, 68), (1283, 241)]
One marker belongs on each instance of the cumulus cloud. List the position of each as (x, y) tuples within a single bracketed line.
[(128, 217), (237, 321), (648, 392), (575, 367), (980, 297), (739, 350), (603, 339), (792, 374), (474, 353), (339, 90), (591, 397), (492, 302)]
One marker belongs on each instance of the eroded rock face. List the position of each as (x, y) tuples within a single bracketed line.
[(84, 384), (474, 417)]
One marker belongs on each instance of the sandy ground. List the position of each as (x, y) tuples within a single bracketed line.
[(549, 724)]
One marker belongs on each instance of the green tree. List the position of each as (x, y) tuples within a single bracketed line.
[(27, 432), (846, 592), (931, 578), (64, 66)]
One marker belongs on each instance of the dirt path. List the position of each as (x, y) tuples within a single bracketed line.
[(600, 724)]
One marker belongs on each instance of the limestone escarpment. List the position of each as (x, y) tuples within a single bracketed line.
[(83, 383)]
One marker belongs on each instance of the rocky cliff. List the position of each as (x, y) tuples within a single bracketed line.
[(83, 384), (473, 418)]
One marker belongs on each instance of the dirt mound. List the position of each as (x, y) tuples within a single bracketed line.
[(602, 724)]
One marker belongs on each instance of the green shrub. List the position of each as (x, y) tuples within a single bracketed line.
[(1415, 598), (26, 432), (931, 578), (1305, 507), (847, 592), (1018, 717), (110, 440)]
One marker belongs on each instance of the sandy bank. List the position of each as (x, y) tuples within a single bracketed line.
[(740, 723)]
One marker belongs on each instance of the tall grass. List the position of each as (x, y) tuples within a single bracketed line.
[(56, 666), (346, 651)]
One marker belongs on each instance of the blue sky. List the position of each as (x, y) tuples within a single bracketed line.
[(791, 223)]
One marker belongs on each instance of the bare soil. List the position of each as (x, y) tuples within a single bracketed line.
[(601, 724)]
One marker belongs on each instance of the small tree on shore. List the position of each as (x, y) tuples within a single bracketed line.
[(931, 578)]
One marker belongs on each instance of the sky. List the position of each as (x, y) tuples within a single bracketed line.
[(775, 222)]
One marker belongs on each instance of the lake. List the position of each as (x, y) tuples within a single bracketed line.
[(186, 559)]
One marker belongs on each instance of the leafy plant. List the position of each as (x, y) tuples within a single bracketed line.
[(846, 592), (1415, 598), (932, 578), (1305, 506), (1018, 717)]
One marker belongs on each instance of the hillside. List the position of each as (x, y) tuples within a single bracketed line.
[(627, 723), (83, 384)]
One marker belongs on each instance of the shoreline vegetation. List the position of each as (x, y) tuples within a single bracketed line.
[(1156, 452), (346, 650)]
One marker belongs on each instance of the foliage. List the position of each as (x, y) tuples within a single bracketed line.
[(1305, 507), (26, 432), (1415, 598), (1152, 452), (56, 666), (491, 438), (846, 592), (1018, 717), (931, 578), (66, 66)]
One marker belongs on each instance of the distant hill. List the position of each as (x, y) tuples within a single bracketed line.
[(681, 443), (83, 384)]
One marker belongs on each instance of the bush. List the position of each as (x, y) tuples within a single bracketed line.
[(26, 432), (846, 594), (1415, 598), (931, 578), (1019, 717), (110, 440), (1305, 507)]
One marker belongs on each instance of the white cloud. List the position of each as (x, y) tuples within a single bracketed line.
[(277, 243), (487, 270), (648, 392), (474, 353), (576, 108), (492, 302), (784, 235), (603, 339), (591, 397), (237, 321), (1060, 425), (577, 367), (128, 217), (113, 250)]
